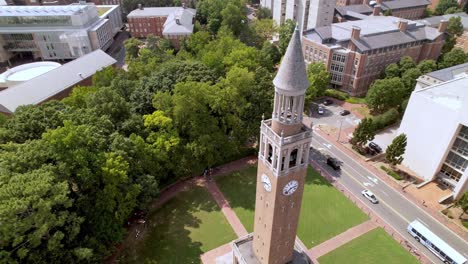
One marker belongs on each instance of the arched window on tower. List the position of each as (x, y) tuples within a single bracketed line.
[(293, 158), (270, 153)]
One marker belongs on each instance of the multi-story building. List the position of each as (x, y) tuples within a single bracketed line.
[(173, 23), (54, 32), (349, 2), (441, 76), (357, 52), (437, 113), (462, 41), (306, 13), (407, 9)]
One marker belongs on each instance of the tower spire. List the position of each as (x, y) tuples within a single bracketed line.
[(292, 75)]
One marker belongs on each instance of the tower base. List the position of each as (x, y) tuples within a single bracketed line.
[(243, 252)]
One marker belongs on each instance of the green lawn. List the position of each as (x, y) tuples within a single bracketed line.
[(325, 212), (373, 247), (184, 228)]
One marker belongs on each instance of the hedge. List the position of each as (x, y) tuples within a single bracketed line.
[(395, 175), (336, 94), (388, 118)]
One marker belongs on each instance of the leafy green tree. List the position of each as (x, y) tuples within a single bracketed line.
[(234, 17), (452, 58), (427, 66), (453, 10), (269, 55), (463, 202), (443, 5), (406, 63), (197, 42), (132, 48), (363, 133), (387, 12), (392, 71), (409, 79), (319, 79), (263, 12), (285, 33), (385, 94), (396, 150), (455, 26), (104, 77), (264, 29)]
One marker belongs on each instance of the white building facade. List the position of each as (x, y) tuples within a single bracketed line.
[(306, 13), (55, 32), (436, 124)]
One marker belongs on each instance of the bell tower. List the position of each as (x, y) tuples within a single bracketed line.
[(282, 162)]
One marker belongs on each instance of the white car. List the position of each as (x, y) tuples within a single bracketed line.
[(370, 196), (320, 110)]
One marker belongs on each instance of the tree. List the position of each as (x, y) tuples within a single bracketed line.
[(406, 63), (264, 29), (269, 55), (104, 77), (427, 66), (452, 58), (443, 5), (387, 12), (319, 79), (363, 133), (463, 202), (263, 12), (409, 79), (396, 150), (385, 94), (453, 10), (234, 18), (455, 26), (392, 70), (285, 33), (132, 48)]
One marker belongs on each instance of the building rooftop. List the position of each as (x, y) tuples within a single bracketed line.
[(153, 11), (180, 21), (361, 9), (451, 73), (44, 86), (67, 10), (376, 32), (26, 72), (435, 20), (451, 94), (399, 4)]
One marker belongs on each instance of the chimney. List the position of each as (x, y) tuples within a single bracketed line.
[(376, 10), (183, 5), (379, 2), (355, 32), (443, 26), (140, 6), (402, 25)]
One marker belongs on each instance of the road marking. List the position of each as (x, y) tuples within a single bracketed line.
[(411, 202), (327, 145), (368, 184), (373, 179), (422, 222)]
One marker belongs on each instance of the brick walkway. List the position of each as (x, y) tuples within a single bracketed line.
[(230, 215), (342, 239)]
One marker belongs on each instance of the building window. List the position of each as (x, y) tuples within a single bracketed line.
[(461, 147), (451, 173), (456, 161)]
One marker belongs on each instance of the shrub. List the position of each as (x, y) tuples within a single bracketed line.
[(390, 172), (356, 100), (336, 94), (388, 118), (465, 224)]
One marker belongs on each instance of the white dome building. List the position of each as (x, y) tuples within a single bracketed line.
[(25, 72)]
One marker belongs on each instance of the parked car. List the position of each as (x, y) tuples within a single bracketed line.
[(375, 147), (334, 163), (320, 110), (344, 112), (370, 196), (327, 102)]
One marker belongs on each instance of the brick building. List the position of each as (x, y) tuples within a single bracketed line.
[(462, 41), (356, 52), (349, 2), (407, 9), (173, 23)]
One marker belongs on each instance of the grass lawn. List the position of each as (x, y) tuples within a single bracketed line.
[(184, 228), (373, 247), (325, 212)]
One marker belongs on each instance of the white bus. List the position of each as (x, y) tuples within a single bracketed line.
[(436, 245)]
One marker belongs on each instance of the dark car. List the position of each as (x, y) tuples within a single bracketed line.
[(344, 112), (375, 147), (332, 162), (327, 102)]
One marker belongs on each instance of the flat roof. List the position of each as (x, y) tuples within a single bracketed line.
[(451, 94), (29, 71), (435, 20), (44, 86), (67, 10), (448, 74), (398, 4), (152, 11)]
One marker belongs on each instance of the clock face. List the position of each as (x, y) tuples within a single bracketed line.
[(266, 182), (290, 187)]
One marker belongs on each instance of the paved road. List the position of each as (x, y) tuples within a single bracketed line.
[(395, 209)]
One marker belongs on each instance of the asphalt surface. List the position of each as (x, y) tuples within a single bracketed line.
[(393, 208)]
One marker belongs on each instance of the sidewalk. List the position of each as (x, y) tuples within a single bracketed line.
[(383, 177)]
